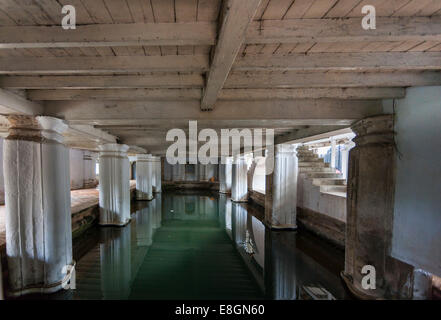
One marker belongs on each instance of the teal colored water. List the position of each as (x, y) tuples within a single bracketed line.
[(203, 246)]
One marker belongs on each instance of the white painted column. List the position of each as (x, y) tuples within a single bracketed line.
[(144, 174), (333, 153), (114, 185), (225, 171), (239, 186), (38, 218), (2, 180), (345, 158), (202, 172), (89, 166), (281, 189), (157, 174)]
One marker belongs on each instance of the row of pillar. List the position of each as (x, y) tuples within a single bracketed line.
[(37, 200), (281, 185)]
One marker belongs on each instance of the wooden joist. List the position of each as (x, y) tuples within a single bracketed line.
[(237, 16), (290, 79), (162, 80), (225, 94)]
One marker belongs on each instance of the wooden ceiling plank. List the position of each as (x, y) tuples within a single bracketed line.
[(298, 9), (97, 11), (119, 64), (376, 61), (342, 8), (319, 8)]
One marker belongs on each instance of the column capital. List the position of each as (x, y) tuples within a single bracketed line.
[(374, 130), (114, 147), (288, 149), (52, 128), (143, 157), (23, 127)]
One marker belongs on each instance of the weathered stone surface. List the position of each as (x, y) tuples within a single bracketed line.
[(370, 210)]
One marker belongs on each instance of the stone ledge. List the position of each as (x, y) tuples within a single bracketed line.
[(322, 225)]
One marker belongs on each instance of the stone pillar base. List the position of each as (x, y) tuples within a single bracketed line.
[(288, 227), (114, 224), (356, 292), (44, 289)]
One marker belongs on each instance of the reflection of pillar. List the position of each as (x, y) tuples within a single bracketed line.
[(222, 206), (89, 168), (38, 221), (144, 173), (114, 185), (280, 266), (240, 223), (225, 176), (144, 227), (281, 189), (370, 203), (239, 188), (115, 253), (157, 211)]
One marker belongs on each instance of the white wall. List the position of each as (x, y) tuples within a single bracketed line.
[(417, 217), (76, 169), (2, 181)]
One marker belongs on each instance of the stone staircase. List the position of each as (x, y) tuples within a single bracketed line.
[(322, 175)]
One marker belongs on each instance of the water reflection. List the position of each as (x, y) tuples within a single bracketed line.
[(203, 246)]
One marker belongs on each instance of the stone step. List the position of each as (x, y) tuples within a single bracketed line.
[(336, 194), (309, 158), (316, 169), (324, 175), (332, 188), (329, 181), (313, 164)]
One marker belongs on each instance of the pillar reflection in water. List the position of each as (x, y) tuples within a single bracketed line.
[(115, 253), (156, 205), (280, 266)]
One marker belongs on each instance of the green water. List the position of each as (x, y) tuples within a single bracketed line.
[(203, 246)]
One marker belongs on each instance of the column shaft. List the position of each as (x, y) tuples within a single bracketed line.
[(281, 189), (38, 219), (114, 185), (370, 207), (239, 186), (157, 174), (144, 176), (225, 171)]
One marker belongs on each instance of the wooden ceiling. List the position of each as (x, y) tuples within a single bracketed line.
[(128, 56)]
